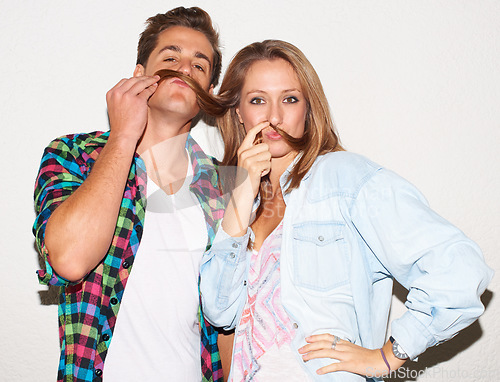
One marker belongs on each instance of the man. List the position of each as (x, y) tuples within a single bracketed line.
[(93, 226)]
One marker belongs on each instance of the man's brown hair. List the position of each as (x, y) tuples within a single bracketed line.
[(194, 18)]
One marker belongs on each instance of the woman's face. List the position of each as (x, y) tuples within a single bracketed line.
[(272, 93)]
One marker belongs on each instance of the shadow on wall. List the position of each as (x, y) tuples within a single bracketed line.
[(50, 296), (442, 353)]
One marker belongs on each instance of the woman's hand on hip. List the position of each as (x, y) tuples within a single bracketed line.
[(352, 358)]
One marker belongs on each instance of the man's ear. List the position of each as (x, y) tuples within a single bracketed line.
[(139, 70), (239, 115)]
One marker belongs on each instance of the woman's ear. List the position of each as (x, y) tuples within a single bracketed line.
[(239, 115), (139, 70)]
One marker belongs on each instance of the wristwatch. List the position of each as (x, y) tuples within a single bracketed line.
[(397, 349)]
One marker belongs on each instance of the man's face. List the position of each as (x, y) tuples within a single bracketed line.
[(184, 50)]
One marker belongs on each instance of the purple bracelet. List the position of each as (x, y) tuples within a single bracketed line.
[(385, 360)]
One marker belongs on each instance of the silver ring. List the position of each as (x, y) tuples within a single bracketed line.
[(336, 339)]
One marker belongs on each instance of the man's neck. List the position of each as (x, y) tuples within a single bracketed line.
[(161, 128), (162, 148)]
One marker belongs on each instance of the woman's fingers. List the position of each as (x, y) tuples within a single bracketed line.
[(333, 367), (323, 353), (251, 134), (322, 347), (254, 158), (320, 337), (258, 152), (350, 357), (320, 341)]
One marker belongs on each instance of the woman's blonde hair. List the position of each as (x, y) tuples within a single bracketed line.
[(319, 133)]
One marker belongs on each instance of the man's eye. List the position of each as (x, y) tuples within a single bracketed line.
[(200, 68), (290, 99), (257, 101)]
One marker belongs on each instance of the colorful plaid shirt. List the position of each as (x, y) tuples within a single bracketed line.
[(88, 309)]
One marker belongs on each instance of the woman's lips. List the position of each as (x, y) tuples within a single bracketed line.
[(272, 135)]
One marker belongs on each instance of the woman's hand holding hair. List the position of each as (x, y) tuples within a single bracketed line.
[(254, 159), (254, 162), (352, 358)]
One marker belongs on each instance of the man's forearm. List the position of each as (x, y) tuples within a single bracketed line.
[(81, 229)]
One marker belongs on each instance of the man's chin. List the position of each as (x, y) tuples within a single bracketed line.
[(178, 112), (176, 104)]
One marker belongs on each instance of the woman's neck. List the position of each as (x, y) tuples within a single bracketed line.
[(278, 167)]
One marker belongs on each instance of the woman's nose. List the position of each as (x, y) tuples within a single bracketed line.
[(275, 116)]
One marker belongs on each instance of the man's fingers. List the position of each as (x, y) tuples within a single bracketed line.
[(135, 85), (141, 83), (149, 91)]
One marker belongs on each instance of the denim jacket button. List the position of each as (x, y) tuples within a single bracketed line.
[(321, 238), (295, 325), (235, 245), (232, 255)]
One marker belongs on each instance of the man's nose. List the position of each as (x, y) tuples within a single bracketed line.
[(185, 67)]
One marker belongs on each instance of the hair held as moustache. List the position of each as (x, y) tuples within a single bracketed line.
[(213, 105), (217, 106)]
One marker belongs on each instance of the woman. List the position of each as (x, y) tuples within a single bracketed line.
[(303, 262)]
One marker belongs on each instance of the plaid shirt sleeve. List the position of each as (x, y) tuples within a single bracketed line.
[(59, 176)]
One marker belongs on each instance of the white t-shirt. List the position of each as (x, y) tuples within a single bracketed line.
[(157, 336)]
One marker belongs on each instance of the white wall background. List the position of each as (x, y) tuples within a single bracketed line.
[(414, 85)]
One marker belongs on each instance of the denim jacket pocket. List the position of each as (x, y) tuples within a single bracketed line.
[(319, 255)]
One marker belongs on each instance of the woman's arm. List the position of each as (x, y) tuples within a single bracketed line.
[(224, 266), (223, 279), (442, 269), (254, 161)]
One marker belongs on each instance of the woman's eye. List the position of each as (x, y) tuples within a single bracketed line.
[(291, 99), (169, 59), (257, 101)]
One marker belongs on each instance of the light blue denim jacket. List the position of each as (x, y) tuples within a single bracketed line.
[(352, 222)]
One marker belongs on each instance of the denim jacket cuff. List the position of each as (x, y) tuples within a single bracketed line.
[(412, 335), (233, 249)]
